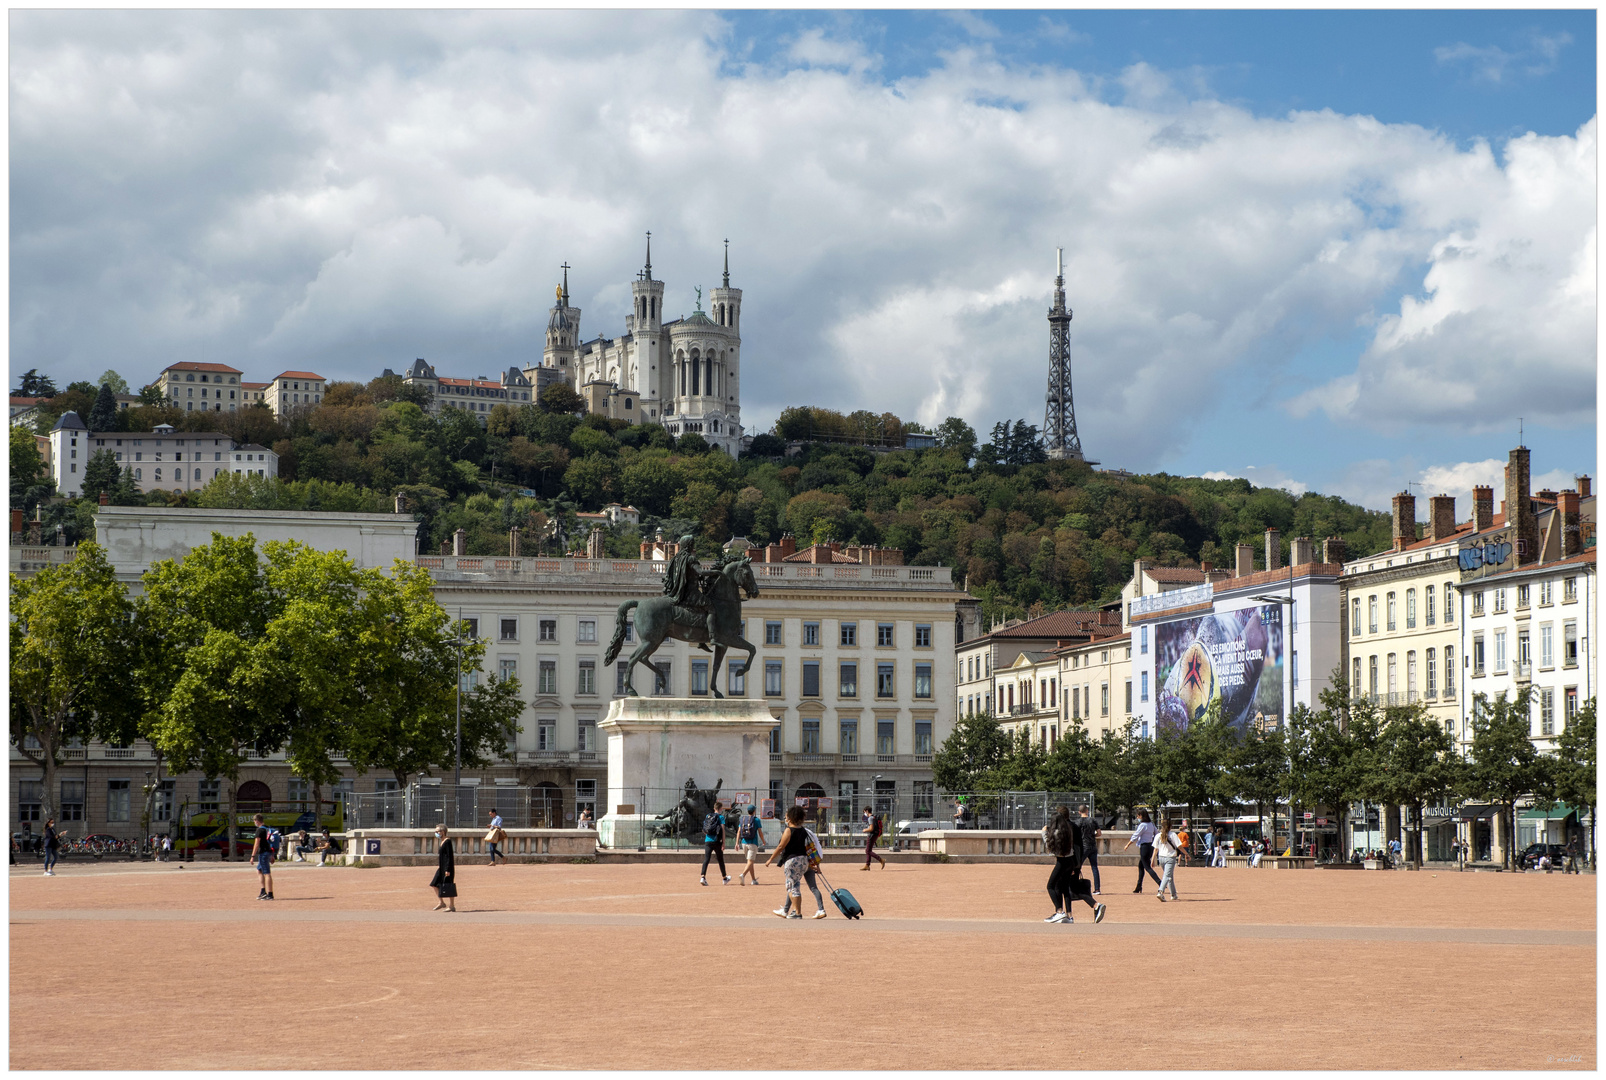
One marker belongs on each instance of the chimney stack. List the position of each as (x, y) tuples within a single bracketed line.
[(401, 503), (1246, 560), (1583, 486), (788, 545), (1299, 551), (1482, 508), (1138, 566), (1519, 508), (104, 498), (1572, 536), (513, 542), (1441, 517), (1404, 520), (594, 545), (460, 542), (446, 547), (1206, 567), (1274, 550), (16, 523), (1334, 550)]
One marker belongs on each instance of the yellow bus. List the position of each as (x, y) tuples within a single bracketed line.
[(209, 831)]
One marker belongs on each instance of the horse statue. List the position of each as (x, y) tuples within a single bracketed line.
[(660, 617)]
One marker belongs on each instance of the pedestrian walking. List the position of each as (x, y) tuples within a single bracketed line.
[(52, 847), (1168, 845), (1143, 837), (1185, 839), (1221, 849), (1064, 840), (797, 864), (445, 880), (750, 835), (167, 847), (495, 835), (1090, 842), (262, 854), (872, 833), (714, 842)]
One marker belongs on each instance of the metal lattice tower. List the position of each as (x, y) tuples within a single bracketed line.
[(1059, 419)]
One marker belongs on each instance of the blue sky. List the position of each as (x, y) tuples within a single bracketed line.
[(1318, 249)]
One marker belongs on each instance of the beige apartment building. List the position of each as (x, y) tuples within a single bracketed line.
[(1097, 685), (854, 661), (291, 390), (198, 387)]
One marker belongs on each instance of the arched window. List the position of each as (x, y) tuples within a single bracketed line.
[(696, 369), (197, 474), (652, 308)]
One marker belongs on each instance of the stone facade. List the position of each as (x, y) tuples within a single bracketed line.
[(176, 461)]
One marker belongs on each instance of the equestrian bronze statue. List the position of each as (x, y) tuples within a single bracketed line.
[(701, 607)]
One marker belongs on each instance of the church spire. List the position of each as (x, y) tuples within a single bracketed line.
[(646, 272), (565, 293), (727, 263)]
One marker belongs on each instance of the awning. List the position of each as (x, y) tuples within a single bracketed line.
[(1556, 813), (1472, 811)]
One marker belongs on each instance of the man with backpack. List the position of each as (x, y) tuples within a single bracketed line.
[(714, 841), (872, 833), (750, 835), (263, 848)]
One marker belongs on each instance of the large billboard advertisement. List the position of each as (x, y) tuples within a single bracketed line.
[(1233, 656)]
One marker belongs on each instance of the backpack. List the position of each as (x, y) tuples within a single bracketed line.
[(750, 830), (713, 826), (875, 826), (275, 839)]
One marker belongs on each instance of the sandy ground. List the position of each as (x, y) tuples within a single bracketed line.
[(597, 966)]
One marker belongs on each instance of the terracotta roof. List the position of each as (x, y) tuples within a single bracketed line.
[(191, 365), (806, 555), (1279, 576), (1175, 574), (298, 375), (27, 400), (470, 382), (1058, 624)]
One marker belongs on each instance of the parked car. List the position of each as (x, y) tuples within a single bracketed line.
[(1530, 855)]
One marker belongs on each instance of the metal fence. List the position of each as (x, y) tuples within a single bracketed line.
[(423, 806)]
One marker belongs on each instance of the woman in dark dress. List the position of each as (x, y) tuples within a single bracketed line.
[(445, 880)]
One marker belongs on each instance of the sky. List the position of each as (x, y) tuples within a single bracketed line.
[(1346, 252)]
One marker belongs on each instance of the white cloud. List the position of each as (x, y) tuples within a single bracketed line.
[(349, 190), (1266, 476), (1493, 64)]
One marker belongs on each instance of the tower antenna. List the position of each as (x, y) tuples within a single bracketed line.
[(1059, 419)]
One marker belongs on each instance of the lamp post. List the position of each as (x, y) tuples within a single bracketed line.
[(1288, 703)]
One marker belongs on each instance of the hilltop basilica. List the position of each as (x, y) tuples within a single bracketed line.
[(682, 373)]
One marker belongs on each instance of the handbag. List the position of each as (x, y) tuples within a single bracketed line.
[(493, 836), (448, 888)]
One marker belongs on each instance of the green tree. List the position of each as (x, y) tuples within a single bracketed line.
[(31, 483), (956, 435), (71, 646), (110, 378), (103, 414), (101, 473), (1123, 771), (1070, 765), (1574, 768), (976, 746), (34, 385), (199, 621), (561, 398), (1503, 765), (1258, 767), (1415, 764), (151, 396), (407, 724), (1324, 751)]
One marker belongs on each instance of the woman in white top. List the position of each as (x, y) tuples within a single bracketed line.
[(1169, 848)]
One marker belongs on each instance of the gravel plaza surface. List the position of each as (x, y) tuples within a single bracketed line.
[(598, 966)]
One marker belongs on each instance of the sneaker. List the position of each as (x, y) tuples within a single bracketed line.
[(1098, 913), (1160, 896), (782, 912), (795, 915), (1095, 892), (1068, 919), (1058, 916), (820, 914), (740, 881), (727, 879), (703, 881), (270, 896)]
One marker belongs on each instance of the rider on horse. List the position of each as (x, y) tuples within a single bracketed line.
[(690, 587)]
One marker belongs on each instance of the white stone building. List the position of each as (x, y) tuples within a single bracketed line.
[(176, 461), (293, 390), (478, 395), (683, 373)]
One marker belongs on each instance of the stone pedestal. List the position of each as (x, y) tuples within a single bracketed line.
[(658, 743)]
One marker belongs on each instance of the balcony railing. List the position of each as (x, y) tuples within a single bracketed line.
[(1173, 598), (544, 569)]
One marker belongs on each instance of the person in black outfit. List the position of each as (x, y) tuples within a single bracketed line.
[(1063, 839), (52, 847), (1090, 843), (445, 880)]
